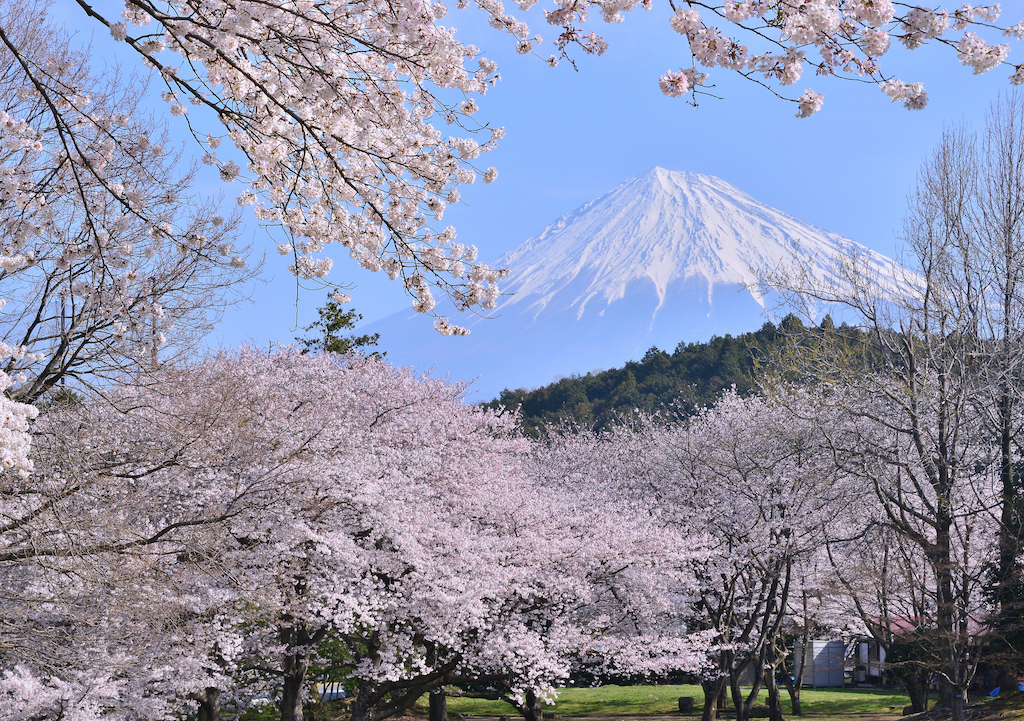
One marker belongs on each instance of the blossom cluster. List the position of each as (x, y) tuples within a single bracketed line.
[(828, 37), (342, 145), (15, 439), (101, 235)]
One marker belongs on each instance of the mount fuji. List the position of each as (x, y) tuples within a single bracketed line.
[(664, 257)]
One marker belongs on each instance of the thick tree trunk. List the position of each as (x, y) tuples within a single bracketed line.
[(532, 707), (713, 692), (291, 691), (294, 665), (362, 709), (438, 705), (375, 701), (917, 690), (913, 692), (209, 704), (959, 705), (953, 698)]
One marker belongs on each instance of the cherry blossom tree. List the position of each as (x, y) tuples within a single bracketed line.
[(120, 485), (747, 492), (81, 314), (90, 287), (607, 584), (757, 475)]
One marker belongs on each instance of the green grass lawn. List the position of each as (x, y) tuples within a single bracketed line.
[(638, 700)]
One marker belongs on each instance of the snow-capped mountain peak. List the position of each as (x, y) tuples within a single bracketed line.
[(664, 257), (666, 226)]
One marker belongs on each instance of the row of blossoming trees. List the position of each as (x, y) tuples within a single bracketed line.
[(206, 534), (260, 522)]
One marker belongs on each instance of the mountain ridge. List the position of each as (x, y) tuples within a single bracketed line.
[(676, 384)]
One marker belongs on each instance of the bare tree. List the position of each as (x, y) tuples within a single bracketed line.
[(996, 221), (914, 429)]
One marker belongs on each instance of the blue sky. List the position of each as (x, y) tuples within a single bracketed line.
[(573, 135)]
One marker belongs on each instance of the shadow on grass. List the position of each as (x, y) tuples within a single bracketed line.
[(641, 700)]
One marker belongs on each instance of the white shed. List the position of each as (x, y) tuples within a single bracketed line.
[(825, 661)]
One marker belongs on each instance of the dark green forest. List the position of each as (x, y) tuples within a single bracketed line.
[(691, 377)]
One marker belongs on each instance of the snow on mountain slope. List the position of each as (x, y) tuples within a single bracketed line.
[(664, 257), (666, 226)]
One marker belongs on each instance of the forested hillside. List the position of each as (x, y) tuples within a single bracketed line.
[(692, 376)]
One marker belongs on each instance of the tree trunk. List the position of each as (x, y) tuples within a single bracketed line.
[(951, 632), (1008, 582), (738, 701), (291, 695), (774, 699), (209, 704), (1006, 674), (795, 685), (794, 691), (914, 693), (438, 705), (713, 691), (294, 665), (917, 689), (759, 679), (361, 709), (532, 707), (959, 705)]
